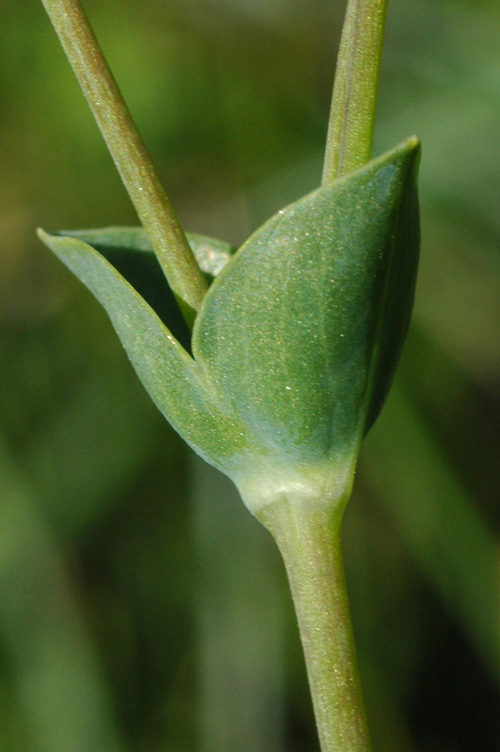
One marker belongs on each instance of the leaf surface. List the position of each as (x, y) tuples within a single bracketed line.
[(298, 337), (174, 381), (129, 250), (302, 330)]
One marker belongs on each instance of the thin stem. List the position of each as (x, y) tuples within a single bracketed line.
[(308, 537), (129, 153), (352, 114)]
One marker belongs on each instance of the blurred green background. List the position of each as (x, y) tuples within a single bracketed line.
[(142, 609)]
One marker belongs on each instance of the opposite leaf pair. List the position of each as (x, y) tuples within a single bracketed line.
[(298, 337)]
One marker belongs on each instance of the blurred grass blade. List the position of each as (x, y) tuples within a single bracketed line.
[(79, 488), (57, 677), (239, 612), (436, 517)]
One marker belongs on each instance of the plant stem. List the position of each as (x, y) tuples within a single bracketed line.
[(309, 538), (352, 114), (129, 153)]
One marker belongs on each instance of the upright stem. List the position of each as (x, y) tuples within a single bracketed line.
[(309, 540), (129, 153), (352, 114)]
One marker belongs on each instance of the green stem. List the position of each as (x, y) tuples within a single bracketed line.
[(308, 537), (352, 114), (129, 153)]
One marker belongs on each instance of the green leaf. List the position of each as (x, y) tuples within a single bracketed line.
[(129, 250), (396, 299), (297, 339), (175, 382), (211, 254), (302, 330)]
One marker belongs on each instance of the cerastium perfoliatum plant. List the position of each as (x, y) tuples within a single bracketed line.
[(286, 348)]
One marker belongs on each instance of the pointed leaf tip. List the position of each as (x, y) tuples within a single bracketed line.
[(302, 331), (297, 340), (172, 378)]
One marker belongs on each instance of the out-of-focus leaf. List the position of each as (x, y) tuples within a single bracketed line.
[(79, 481), (241, 645), (56, 674), (460, 303), (436, 517)]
